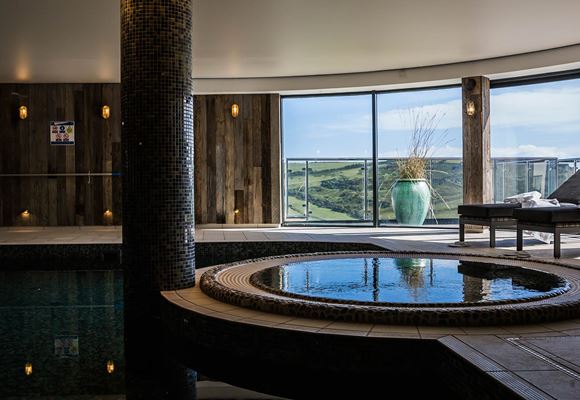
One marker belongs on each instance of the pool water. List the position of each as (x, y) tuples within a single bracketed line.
[(409, 280), (62, 335)]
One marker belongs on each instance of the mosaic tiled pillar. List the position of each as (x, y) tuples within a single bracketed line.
[(157, 132)]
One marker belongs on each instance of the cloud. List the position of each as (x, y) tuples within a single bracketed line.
[(347, 123), (401, 118), (556, 108), (447, 151), (530, 150), (438, 151), (553, 108)]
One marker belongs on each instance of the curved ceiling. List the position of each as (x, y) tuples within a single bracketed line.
[(78, 40), (264, 38)]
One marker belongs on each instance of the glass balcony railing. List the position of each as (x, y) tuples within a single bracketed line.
[(340, 190), (328, 190)]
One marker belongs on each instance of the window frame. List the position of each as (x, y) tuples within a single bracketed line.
[(375, 222)]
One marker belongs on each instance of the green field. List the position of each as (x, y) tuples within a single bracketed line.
[(336, 190)]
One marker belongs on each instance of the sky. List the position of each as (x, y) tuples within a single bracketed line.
[(539, 120)]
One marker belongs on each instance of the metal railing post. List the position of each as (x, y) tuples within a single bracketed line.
[(285, 197), (530, 176), (429, 179), (307, 208), (375, 127), (553, 175), (366, 191)]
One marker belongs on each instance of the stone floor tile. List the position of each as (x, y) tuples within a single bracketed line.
[(350, 326), (505, 353), (315, 323), (404, 329), (555, 383)]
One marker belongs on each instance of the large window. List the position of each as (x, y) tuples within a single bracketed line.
[(333, 144), (327, 144), (399, 114), (534, 136), (328, 154)]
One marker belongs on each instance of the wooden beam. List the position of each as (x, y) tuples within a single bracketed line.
[(477, 168)]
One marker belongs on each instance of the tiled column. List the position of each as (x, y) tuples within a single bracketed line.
[(157, 132)]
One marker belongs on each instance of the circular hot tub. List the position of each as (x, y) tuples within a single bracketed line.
[(400, 288), (408, 281)]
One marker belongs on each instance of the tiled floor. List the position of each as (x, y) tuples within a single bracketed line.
[(397, 239), (420, 239), (61, 235)]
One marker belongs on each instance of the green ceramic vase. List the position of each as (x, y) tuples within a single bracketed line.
[(411, 199)]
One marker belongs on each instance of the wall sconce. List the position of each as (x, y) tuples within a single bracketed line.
[(106, 112), (110, 366), (25, 214), (236, 211), (235, 110), (108, 213), (23, 112), (470, 108), (28, 369)]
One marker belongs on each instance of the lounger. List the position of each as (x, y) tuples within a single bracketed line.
[(504, 215), (556, 220), (492, 215)]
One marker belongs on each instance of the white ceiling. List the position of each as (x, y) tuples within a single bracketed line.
[(78, 40)]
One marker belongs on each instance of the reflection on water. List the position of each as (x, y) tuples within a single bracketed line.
[(60, 332), (62, 336), (409, 280)]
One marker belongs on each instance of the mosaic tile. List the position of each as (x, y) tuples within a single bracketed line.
[(157, 142)]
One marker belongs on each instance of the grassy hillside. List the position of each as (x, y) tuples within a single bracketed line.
[(336, 190)]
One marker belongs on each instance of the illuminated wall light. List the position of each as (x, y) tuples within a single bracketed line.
[(235, 110), (106, 112), (108, 217), (470, 108), (23, 112), (110, 366), (25, 214), (28, 369), (236, 211)]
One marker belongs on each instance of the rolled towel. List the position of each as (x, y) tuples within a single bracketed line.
[(542, 236), (541, 203), (523, 197)]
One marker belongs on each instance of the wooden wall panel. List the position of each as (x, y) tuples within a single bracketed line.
[(237, 159), (25, 149)]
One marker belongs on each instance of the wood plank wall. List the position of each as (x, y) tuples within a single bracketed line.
[(25, 149), (237, 160)]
